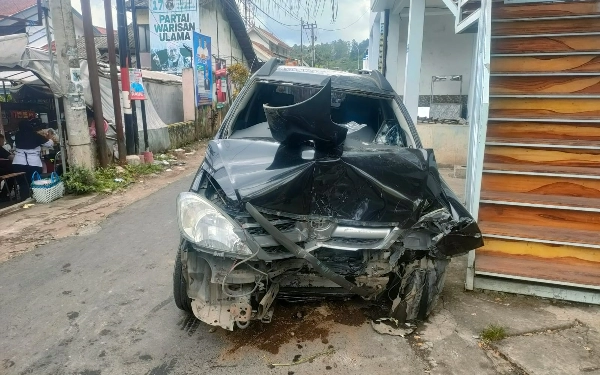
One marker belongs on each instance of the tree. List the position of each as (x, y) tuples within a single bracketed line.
[(339, 54), (238, 74)]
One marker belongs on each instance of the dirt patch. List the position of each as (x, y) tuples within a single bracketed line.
[(293, 322)]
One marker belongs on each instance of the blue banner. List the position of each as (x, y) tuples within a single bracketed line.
[(203, 69)]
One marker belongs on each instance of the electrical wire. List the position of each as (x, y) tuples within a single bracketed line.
[(285, 10), (343, 28), (233, 267), (266, 14)]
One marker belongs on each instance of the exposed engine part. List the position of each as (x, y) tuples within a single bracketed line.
[(303, 254), (267, 301), (241, 311)]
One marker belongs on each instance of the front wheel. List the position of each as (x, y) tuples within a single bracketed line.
[(182, 301), (422, 281)]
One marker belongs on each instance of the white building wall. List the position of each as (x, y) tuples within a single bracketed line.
[(214, 24), (396, 42), (37, 34), (444, 53), (374, 38)]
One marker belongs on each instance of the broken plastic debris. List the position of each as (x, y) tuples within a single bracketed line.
[(28, 205), (119, 180), (391, 326)]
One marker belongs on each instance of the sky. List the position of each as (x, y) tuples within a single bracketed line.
[(352, 19), (97, 6)]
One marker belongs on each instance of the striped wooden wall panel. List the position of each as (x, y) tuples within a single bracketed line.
[(532, 85), (558, 26), (519, 131), (540, 189), (562, 270), (546, 64), (559, 9), (572, 108), (542, 185), (556, 44)]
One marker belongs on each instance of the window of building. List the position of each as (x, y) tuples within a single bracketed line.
[(144, 31)]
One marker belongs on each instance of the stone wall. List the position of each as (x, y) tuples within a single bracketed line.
[(209, 121), (182, 133)]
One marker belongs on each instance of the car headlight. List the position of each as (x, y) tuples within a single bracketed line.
[(202, 223)]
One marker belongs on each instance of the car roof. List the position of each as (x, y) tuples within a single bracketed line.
[(371, 82)]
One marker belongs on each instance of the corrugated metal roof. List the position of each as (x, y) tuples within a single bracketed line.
[(262, 52), (271, 36), (9, 8)]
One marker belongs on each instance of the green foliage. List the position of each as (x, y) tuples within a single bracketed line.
[(79, 181), (238, 74), (493, 333), (105, 180), (339, 55), (7, 98)]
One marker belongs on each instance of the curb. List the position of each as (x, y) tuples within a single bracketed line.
[(16, 207)]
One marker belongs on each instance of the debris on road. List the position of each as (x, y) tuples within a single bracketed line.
[(391, 326)]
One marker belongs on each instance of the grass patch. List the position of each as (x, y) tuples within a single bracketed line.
[(106, 180), (493, 333)]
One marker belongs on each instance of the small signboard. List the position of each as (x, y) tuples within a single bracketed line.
[(136, 85)]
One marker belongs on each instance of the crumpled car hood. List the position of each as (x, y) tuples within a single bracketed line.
[(369, 186)]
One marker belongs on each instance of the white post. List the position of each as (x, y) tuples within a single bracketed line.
[(414, 49), (80, 148)]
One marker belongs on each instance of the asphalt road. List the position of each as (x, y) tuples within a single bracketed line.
[(102, 304)]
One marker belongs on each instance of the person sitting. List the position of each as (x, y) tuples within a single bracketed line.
[(4, 153), (28, 144), (5, 169)]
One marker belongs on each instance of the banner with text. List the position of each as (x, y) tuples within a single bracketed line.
[(203, 69), (172, 26)]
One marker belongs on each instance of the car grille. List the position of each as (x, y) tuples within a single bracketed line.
[(355, 241), (282, 227)]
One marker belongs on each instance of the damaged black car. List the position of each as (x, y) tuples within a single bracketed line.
[(316, 186)]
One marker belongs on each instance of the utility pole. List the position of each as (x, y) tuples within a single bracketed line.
[(90, 48), (312, 27), (123, 46), (138, 64), (61, 134), (80, 150), (248, 14), (114, 80), (301, 32)]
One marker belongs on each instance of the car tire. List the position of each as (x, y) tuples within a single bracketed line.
[(182, 301), (421, 286)]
